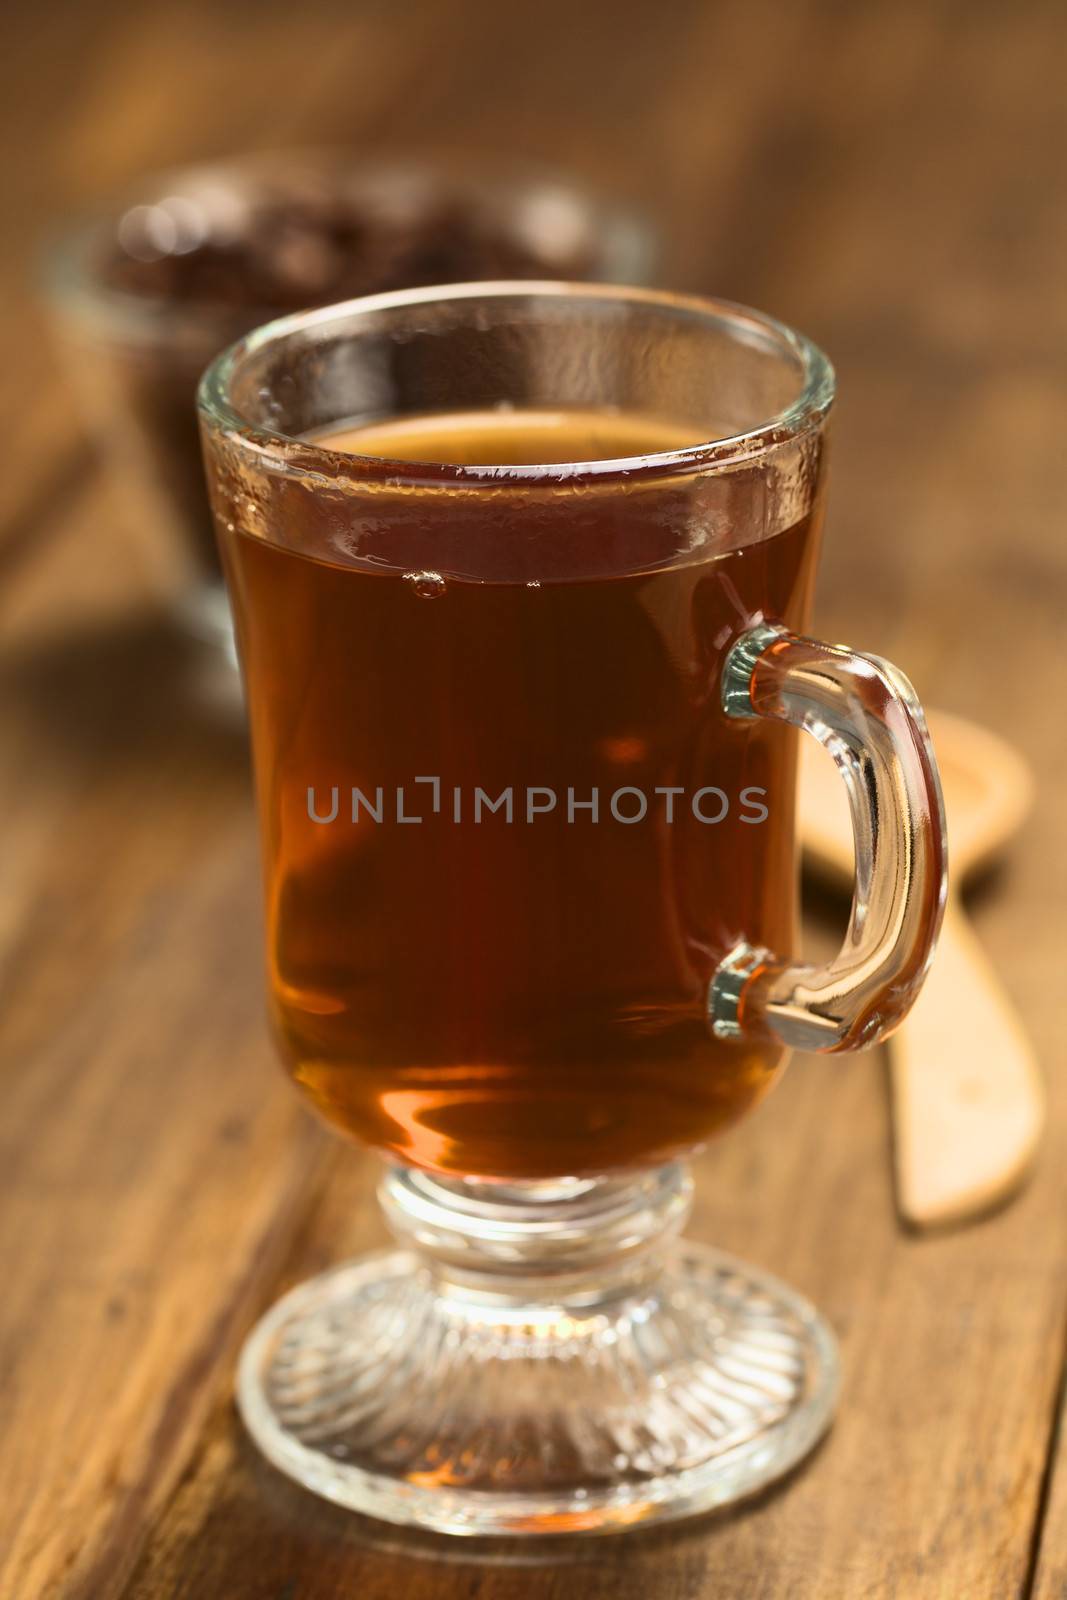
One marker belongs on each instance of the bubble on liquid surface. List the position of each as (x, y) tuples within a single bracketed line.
[(427, 585)]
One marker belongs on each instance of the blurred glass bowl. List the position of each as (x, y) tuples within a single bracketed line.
[(146, 294)]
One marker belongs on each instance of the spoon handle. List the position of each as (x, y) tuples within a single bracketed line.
[(968, 1099)]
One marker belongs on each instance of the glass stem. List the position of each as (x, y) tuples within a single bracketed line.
[(572, 1242)]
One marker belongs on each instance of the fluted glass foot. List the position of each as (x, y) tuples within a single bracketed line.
[(546, 1360)]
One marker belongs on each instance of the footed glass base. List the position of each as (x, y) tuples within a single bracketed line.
[(547, 1359)]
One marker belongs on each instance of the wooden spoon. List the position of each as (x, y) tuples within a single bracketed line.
[(968, 1100)]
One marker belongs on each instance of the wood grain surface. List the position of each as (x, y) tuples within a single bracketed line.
[(889, 177)]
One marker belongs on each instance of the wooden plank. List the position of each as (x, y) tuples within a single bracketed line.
[(1050, 1545), (856, 170), (931, 1482)]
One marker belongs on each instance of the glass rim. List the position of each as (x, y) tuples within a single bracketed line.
[(295, 455)]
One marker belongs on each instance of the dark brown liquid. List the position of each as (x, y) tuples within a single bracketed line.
[(526, 998)]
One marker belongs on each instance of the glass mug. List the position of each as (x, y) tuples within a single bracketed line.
[(525, 756)]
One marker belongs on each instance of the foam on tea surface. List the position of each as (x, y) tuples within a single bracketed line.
[(510, 437)]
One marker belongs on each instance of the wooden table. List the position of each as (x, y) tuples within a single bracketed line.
[(888, 177)]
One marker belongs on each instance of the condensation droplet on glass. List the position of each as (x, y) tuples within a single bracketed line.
[(427, 585)]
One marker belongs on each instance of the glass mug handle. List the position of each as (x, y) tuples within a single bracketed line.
[(865, 713)]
